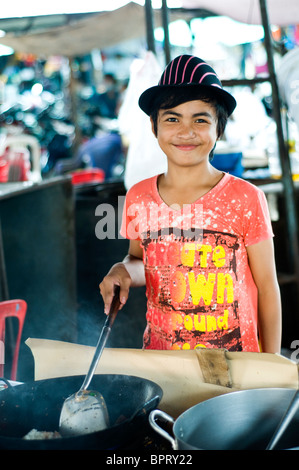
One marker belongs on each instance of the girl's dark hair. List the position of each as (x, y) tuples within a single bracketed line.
[(170, 98)]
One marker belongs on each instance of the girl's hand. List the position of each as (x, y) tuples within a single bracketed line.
[(117, 276)]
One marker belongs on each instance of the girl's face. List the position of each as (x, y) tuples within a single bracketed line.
[(187, 133)]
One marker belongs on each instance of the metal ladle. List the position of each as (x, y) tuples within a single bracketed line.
[(285, 421), (85, 411)]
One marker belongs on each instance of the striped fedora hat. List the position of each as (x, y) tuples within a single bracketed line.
[(188, 70)]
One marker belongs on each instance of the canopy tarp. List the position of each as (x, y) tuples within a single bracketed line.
[(281, 13), (81, 36), (110, 28)]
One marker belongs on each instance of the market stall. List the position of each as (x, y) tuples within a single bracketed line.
[(185, 378)]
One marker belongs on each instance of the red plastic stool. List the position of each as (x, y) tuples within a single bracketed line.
[(11, 308)]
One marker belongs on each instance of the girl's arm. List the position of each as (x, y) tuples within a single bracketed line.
[(262, 265), (126, 274)]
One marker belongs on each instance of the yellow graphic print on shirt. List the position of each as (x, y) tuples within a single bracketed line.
[(191, 291)]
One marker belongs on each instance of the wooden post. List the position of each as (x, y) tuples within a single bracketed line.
[(165, 23), (149, 17)]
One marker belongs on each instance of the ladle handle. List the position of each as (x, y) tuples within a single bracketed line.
[(285, 421), (114, 308)]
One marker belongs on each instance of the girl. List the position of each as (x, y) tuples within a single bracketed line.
[(200, 239)]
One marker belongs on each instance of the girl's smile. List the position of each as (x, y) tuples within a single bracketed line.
[(185, 147)]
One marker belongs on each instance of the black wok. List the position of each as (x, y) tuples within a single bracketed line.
[(37, 405)]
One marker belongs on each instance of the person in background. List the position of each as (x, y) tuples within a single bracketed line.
[(200, 239), (108, 100)]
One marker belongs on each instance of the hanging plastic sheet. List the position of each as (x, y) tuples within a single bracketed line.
[(144, 158)]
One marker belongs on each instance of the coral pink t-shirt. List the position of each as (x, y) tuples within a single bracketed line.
[(199, 287)]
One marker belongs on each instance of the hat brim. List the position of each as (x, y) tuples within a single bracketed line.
[(147, 97)]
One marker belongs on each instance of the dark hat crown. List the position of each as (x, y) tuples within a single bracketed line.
[(188, 70), (184, 71)]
